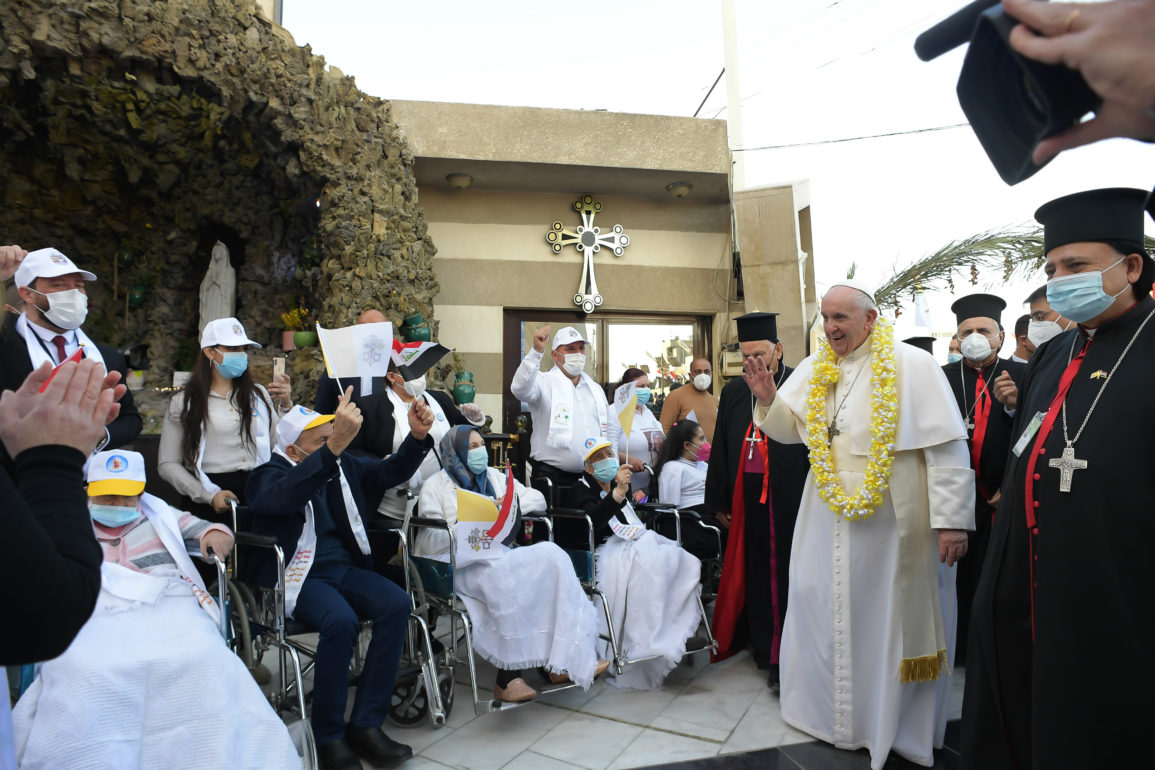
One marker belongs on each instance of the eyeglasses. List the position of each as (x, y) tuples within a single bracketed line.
[(1042, 315)]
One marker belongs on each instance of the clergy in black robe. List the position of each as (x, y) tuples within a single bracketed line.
[(988, 432), (754, 484), (1059, 672)]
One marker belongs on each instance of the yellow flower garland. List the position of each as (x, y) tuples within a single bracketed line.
[(883, 424)]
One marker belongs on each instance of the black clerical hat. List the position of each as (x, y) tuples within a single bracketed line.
[(1113, 214), (925, 343), (757, 326), (978, 306)]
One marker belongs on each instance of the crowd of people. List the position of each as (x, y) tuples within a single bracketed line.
[(886, 519)]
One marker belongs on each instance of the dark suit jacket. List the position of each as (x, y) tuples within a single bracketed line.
[(278, 492), (375, 439), (15, 366)]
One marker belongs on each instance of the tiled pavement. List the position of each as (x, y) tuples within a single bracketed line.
[(706, 716)]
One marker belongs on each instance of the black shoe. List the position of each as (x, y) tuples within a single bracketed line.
[(373, 744), (773, 680), (337, 756)]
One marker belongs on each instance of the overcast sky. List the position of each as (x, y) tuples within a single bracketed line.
[(810, 71)]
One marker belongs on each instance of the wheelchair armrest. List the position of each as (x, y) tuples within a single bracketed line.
[(260, 541), (545, 520), (425, 521)]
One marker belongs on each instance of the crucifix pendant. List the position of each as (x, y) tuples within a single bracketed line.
[(831, 432), (750, 451), (1067, 465), (970, 424)]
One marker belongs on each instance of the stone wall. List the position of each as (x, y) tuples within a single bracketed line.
[(134, 134)]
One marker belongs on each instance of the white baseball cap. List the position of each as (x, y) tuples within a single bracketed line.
[(295, 422), (567, 335), (225, 331), (47, 263), (117, 472), (593, 444)]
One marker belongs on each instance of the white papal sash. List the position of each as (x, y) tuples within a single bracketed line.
[(38, 354), (164, 521), (298, 567), (262, 438), (562, 395)]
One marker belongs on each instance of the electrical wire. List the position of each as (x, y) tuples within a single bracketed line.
[(851, 138)]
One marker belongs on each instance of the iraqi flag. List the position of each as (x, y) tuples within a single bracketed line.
[(414, 359)]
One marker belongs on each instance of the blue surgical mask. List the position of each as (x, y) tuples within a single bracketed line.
[(643, 396), (113, 515), (477, 460), (233, 365), (1080, 297), (605, 470), (953, 358)]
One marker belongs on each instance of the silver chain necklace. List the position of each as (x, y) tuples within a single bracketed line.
[(1068, 463), (832, 431), (970, 425)]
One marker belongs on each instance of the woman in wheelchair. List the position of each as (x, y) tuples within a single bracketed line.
[(639, 569), (527, 606), (148, 681)]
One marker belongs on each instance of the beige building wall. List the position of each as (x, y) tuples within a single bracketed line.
[(526, 167), (778, 260)]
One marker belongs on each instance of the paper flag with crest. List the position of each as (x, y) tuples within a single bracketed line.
[(482, 528), (413, 359), (360, 351), (626, 406)]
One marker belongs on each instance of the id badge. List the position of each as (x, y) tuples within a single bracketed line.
[(1029, 433)]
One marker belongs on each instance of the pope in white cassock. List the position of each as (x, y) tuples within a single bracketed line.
[(868, 638)]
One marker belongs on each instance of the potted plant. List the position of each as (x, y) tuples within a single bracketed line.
[(464, 389), (297, 324)]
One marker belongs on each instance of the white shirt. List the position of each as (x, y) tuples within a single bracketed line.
[(528, 386), (682, 483), (71, 344), (646, 437), (224, 449)]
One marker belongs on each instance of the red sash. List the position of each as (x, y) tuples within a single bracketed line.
[(732, 588)]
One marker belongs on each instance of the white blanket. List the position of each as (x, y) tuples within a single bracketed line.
[(149, 686), (528, 609), (652, 589)]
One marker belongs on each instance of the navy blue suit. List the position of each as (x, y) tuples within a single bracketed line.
[(340, 588)]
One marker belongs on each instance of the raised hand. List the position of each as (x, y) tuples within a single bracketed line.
[(10, 259), (541, 338), (281, 391), (346, 422), (760, 379), (72, 410), (420, 419), (1006, 391)]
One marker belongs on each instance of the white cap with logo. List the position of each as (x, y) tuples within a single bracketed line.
[(225, 331), (567, 335), (116, 472), (295, 422), (47, 263)]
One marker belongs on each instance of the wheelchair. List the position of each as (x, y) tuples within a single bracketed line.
[(435, 596), (586, 565), (261, 623)]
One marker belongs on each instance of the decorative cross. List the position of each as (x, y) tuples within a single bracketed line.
[(831, 432), (1067, 465), (588, 240)]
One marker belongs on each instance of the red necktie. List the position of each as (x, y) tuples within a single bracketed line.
[(982, 413), (59, 342), (1036, 450)]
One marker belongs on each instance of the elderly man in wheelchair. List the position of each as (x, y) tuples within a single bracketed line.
[(148, 681), (311, 496)]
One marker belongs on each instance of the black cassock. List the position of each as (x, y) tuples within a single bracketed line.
[(1080, 694), (992, 428), (788, 466)]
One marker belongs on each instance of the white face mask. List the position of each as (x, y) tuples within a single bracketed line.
[(702, 381), (1039, 332), (415, 387), (575, 364), (975, 347), (66, 309)]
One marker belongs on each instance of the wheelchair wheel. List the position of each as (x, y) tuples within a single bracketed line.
[(410, 704)]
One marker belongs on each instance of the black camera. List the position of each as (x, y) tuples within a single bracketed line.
[(1012, 102)]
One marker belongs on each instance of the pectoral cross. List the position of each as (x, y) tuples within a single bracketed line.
[(831, 432), (970, 424), (1067, 465), (752, 441)]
